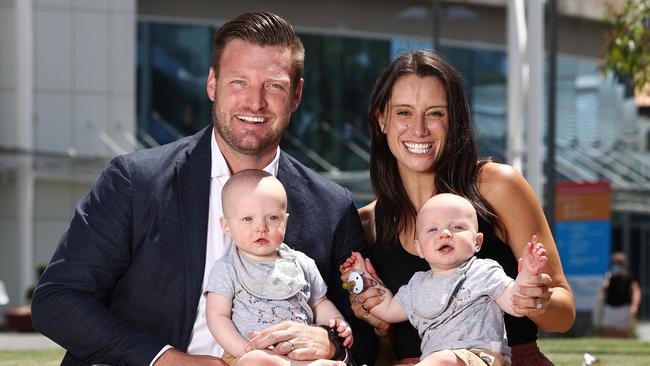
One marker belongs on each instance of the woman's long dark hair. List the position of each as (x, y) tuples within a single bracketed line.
[(457, 168)]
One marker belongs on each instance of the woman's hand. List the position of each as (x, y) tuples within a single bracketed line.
[(532, 291), (370, 296)]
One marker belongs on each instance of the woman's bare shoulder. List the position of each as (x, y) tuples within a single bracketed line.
[(497, 181), (367, 214)]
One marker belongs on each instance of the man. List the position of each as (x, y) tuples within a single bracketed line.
[(125, 283)]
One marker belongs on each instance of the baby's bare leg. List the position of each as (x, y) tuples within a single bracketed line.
[(268, 358), (441, 358)]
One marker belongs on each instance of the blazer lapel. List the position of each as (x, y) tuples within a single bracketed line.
[(296, 187), (193, 177)]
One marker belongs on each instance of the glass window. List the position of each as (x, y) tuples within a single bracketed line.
[(173, 65)]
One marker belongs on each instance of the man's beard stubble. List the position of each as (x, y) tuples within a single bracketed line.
[(227, 134)]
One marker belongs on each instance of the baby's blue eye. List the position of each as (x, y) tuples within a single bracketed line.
[(247, 219), (273, 217)]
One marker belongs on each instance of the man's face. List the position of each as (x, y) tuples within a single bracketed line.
[(253, 97)]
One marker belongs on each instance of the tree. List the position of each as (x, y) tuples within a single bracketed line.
[(628, 41)]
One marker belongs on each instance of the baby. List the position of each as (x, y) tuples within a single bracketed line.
[(262, 281), (457, 307)]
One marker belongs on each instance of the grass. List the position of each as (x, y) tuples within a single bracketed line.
[(41, 357), (611, 352), (562, 351)]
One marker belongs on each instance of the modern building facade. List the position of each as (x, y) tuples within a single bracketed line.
[(104, 77)]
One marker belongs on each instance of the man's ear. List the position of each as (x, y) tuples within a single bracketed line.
[(417, 246), (224, 226), (297, 95), (478, 242), (211, 86)]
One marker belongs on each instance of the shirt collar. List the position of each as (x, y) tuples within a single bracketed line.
[(220, 167)]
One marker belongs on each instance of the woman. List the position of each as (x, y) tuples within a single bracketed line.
[(621, 297), (422, 145)]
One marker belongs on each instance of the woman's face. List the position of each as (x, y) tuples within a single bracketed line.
[(415, 122)]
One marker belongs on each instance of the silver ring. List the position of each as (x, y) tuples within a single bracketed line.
[(293, 348), (538, 303)]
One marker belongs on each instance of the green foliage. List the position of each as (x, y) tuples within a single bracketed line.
[(628, 41)]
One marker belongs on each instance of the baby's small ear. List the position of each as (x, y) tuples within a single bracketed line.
[(478, 242), (224, 225)]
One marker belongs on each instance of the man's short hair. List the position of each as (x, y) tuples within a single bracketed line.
[(263, 29)]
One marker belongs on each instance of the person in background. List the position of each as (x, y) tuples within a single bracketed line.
[(125, 284), (621, 295), (422, 144)]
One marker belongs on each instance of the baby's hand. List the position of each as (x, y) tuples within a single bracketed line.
[(343, 330), (533, 259), (355, 262)]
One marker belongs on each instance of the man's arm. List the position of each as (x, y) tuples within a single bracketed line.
[(70, 302)]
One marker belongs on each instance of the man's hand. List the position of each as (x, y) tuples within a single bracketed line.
[(173, 357), (297, 341)]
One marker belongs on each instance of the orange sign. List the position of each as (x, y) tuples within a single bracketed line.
[(583, 201)]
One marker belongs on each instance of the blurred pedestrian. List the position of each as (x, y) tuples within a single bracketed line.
[(621, 296)]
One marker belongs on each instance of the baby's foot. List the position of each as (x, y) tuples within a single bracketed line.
[(534, 258)]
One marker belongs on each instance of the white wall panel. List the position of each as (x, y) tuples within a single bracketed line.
[(53, 49), (123, 116), (91, 52), (91, 4), (53, 121), (7, 47), (47, 234), (7, 118), (51, 200), (124, 5), (8, 199), (53, 3), (122, 52), (89, 120)]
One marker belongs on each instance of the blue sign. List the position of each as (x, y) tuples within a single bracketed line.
[(584, 246)]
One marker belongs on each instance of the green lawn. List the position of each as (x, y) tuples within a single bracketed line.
[(49, 357), (562, 351), (611, 352)]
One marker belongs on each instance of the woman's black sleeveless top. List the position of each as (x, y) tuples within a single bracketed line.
[(395, 267)]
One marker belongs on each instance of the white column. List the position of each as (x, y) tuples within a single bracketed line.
[(24, 136), (517, 80), (534, 131)]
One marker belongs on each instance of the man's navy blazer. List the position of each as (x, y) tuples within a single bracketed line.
[(125, 279)]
